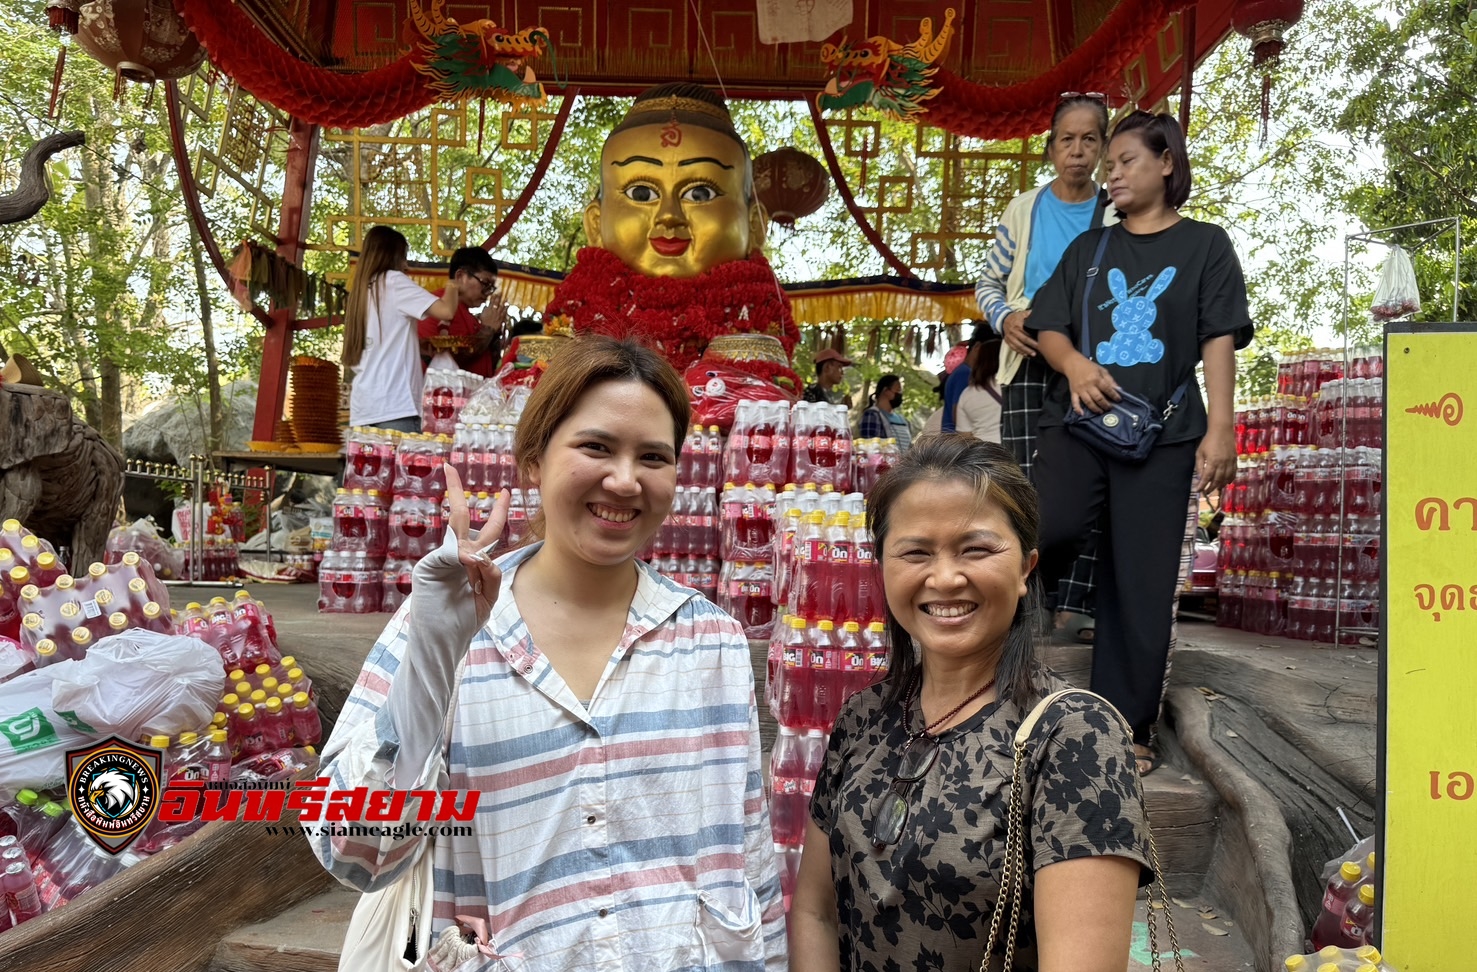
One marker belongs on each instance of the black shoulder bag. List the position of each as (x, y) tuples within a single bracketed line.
[(1129, 427)]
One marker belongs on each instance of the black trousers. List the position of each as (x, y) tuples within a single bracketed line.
[(1021, 410), (1142, 508)]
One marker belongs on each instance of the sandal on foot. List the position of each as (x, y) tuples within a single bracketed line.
[(1152, 757), (1070, 626)]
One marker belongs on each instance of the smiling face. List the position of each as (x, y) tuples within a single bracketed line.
[(952, 569), (1136, 176), (608, 475), (1077, 146), (672, 201)]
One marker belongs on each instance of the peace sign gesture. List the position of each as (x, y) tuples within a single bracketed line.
[(483, 576)]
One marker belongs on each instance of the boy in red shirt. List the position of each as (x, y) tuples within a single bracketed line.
[(474, 274)]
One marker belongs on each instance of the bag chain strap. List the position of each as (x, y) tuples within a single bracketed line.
[(1012, 881)]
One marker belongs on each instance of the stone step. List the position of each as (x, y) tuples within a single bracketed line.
[(305, 938)]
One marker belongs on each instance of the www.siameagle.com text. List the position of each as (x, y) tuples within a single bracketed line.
[(399, 832)]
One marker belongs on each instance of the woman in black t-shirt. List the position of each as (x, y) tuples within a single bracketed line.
[(1162, 294)]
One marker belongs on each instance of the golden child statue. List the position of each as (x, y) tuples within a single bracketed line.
[(675, 235)]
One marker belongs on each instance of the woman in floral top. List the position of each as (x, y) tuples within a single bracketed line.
[(905, 847)]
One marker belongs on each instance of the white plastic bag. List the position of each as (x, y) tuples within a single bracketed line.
[(142, 683), (1397, 295), (133, 684)]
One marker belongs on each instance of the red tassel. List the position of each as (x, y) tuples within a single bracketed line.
[(56, 82), (1266, 102)]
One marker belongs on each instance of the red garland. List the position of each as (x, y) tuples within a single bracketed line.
[(259, 64), (1020, 110), (678, 316)]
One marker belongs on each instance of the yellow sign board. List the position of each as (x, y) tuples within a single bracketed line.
[(1428, 726)]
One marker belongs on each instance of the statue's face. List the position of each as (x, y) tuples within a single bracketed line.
[(672, 201)]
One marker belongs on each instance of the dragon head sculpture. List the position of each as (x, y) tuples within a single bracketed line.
[(883, 74), (479, 60)]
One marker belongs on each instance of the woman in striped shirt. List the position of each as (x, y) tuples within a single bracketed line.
[(606, 715)]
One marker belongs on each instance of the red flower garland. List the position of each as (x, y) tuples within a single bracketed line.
[(677, 316)]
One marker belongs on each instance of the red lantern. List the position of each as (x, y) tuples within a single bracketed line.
[(62, 15), (790, 185), (1265, 23), (142, 40)]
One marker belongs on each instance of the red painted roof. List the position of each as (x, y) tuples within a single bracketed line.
[(624, 46)]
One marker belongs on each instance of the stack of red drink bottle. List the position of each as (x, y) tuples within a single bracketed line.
[(830, 643), (388, 515), (869, 460), (65, 619), (443, 398), (25, 559), (822, 446), (746, 543), (267, 713), (1300, 543)]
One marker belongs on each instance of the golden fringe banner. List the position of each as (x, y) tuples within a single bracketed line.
[(819, 303)]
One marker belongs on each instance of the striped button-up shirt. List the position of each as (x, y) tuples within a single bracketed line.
[(632, 835)]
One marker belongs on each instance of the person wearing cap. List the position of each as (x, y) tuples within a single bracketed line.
[(829, 364), (959, 378)]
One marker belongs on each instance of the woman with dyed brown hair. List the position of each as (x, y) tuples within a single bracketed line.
[(605, 713)]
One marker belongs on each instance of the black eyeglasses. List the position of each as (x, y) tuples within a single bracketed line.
[(1090, 95), (890, 814), (488, 283)]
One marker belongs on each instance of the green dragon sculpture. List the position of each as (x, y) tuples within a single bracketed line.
[(477, 60), (894, 78)]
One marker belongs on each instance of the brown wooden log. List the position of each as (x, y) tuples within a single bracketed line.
[(34, 188), (167, 913), (57, 474)]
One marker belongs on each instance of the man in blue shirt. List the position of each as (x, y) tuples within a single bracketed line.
[(959, 377)]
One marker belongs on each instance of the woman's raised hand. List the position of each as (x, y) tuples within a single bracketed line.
[(483, 576)]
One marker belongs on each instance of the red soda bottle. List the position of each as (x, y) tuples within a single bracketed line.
[(773, 659), (810, 559), (1341, 888), (787, 809), (802, 444), (794, 695), (822, 452), (217, 757), (18, 887), (825, 674), (1358, 923), (276, 725), (879, 658), (853, 659), (868, 602), (249, 731), (712, 461), (691, 456), (307, 727), (837, 593)]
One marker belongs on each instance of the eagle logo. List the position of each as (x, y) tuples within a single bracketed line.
[(113, 793), (113, 789)]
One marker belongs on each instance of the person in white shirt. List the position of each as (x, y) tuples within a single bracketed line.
[(381, 344), (978, 411)]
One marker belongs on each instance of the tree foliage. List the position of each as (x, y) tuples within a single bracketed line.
[(103, 285), (97, 289), (1414, 97)]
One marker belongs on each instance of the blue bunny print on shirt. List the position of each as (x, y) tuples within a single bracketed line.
[(1132, 342)]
